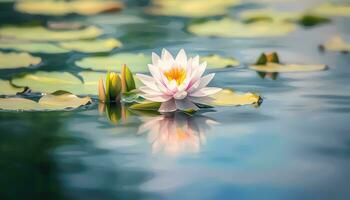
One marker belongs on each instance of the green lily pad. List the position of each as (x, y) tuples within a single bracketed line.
[(330, 9), (49, 82), (227, 27), (216, 61), (101, 45), (46, 103), (17, 60), (7, 89), (139, 62), (269, 15), (227, 97), (305, 19), (276, 67), (136, 62), (32, 47), (38, 33), (336, 44), (190, 8), (59, 8), (86, 46), (146, 105)]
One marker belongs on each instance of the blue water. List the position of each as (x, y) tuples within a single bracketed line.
[(296, 145)]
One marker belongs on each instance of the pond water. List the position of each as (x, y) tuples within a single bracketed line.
[(295, 145)]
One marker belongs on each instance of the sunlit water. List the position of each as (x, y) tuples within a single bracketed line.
[(296, 145)]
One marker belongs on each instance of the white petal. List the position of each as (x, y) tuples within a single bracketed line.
[(172, 86), (150, 91), (195, 61), (148, 81), (157, 98), (166, 56), (205, 80), (155, 71), (201, 83), (205, 92), (158, 77), (168, 106), (185, 105), (181, 58), (155, 58), (201, 100), (180, 95), (198, 71)]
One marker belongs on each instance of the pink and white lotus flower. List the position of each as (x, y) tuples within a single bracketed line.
[(177, 83)]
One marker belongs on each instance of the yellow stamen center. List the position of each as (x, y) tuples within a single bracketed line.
[(176, 73)]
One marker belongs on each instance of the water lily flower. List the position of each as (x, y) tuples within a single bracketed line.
[(177, 83)]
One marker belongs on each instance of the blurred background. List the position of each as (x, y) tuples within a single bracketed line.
[(294, 145)]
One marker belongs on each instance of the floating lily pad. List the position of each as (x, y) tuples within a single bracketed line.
[(227, 97), (269, 15), (49, 82), (101, 45), (67, 7), (275, 67), (139, 62), (330, 9), (38, 33), (190, 8), (136, 62), (337, 44), (17, 60), (231, 28), (7, 89), (45, 103), (32, 47), (216, 61), (86, 46), (305, 19), (63, 101)]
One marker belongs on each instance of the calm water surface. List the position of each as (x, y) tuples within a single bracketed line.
[(296, 145)]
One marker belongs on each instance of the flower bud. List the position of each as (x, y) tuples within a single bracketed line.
[(127, 80), (114, 87)]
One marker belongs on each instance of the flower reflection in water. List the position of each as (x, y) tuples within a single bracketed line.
[(176, 133)]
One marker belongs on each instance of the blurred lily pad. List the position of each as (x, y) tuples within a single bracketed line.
[(337, 44), (139, 62), (33, 47), (100, 45), (58, 8), (305, 19), (38, 33), (136, 62), (269, 14), (17, 60), (216, 61), (227, 27), (8, 89), (46, 103), (49, 82), (227, 97), (86, 46), (276, 67), (332, 9), (190, 8)]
